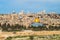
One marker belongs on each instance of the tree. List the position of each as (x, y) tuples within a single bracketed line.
[(8, 27), (4, 27), (31, 37)]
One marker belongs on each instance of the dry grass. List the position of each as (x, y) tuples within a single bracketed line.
[(25, 33)]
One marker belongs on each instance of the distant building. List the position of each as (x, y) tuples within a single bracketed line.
[(30, 19), (36, 23)]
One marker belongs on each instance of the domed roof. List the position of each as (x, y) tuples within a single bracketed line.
[(37, 20)]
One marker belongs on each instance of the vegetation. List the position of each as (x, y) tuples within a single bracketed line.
[(54, 27), (41, 37), (39, 28), (17, 27), (8, 38)]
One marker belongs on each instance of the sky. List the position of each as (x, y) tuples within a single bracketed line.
[(7, 6)]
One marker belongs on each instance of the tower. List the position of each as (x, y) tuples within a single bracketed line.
[(22, 12)]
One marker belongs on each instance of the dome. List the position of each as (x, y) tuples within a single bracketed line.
[(37, 20)]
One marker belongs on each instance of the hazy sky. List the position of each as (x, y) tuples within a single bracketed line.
[(7, 6)]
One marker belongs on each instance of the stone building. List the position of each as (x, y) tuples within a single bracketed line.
[(27, 19)]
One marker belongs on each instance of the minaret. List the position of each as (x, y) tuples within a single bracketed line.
[(13, 14)]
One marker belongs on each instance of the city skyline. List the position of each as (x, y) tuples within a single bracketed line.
[(7, 6)]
